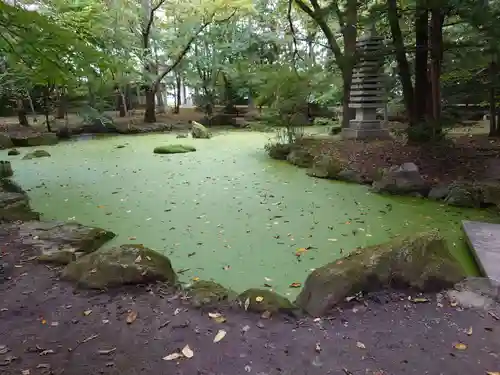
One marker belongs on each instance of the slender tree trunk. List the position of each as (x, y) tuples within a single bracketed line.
[(150, 111), (403, 66), (62, 105), (178, 92), (46, 106), (21, 113), (436, 39), (494, 127), (160, 103), (184, 94), (421, 77)]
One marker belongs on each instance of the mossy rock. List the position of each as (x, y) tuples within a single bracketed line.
[(36, 154), (278, 151), (199, 131), (13, 152), (5, 141), (261, 300), (327, 167), (123, 265), (34, 139), (421, 261), (204, 292), (301, 158), (173, 149)]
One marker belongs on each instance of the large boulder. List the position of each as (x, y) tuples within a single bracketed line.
[(199, 131), (204, 292), (123, 265), (61, 243), (464, 194), (220, 119), (5, 141), (421, 261), (325, 167), (173, 149), (261, 300), (300, 157), (278, 151), (36, 154), (5, 169), (32, 139), (15, 207), (403, 179)]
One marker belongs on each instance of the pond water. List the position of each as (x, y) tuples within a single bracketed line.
[(225, 212)]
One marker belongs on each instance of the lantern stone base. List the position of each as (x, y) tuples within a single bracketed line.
[(369, 130)]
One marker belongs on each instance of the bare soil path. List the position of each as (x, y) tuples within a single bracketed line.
[(48, 327)]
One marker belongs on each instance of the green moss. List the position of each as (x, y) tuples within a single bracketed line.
[(173, 149), (36, 154), (204, 292), (261, 300)]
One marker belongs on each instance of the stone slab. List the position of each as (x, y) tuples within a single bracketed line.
[(484, 241), (368, 134)]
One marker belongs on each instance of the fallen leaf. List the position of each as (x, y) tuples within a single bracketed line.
[(266, 314), (317, 347), (295, 285), (131, 317), (493, 315), (360, 345), (54, 324), (460, 346), (420, 300), (100, 206), (453, 303), (87, 312), (106, 351), (4, 349), (245, 329), (247, 303), (177, 311), (25, 372), (469, 331), (220, 335), (259, 298), (48, 351), (43, 365), (172, 357), (217, 317), (132, 238), (196, 278), (187, 352), (492, 372), (138, 259)]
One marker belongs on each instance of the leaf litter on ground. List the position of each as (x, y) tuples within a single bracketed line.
[(220, 335)]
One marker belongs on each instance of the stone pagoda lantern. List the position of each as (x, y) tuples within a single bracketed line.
[(367, 90)]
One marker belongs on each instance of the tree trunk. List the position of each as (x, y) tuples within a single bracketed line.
[(150, 112), (46, 106), (436, 39), (494, 127), (21, 113), (421, 78), (160, 103), (184, 94), (120, 102), (178, 92), (403, 66), (228, 95), (62, 105), (347, 112)]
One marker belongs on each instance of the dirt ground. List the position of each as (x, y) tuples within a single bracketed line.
[(48, 327), (466, 155)]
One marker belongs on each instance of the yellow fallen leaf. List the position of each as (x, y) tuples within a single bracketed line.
[(131, 317), (87, 312), (100, 206), (295, 285), (469, 331), (217, 317), (360, 345), (420, 300), (172, 357), (460, 346), (187, 352), (259, 298), (196, 278), (220, 335), (453, 303), (492, 372)]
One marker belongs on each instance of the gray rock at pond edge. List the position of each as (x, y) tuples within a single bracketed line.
[(439, 192), (36, 154), (300, 157), (403, 179), (421, 261), (261, 300), (327, 167), (5, 169), (13, 152), (199, 131), (5, 141), (350, 175), (203, 292), (34, 139), (464, 194), (61, 243), (123, 265)]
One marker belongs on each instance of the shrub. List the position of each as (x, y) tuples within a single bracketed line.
[(278, 151)]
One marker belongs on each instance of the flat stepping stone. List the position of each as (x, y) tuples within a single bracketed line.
[(484, 241)]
